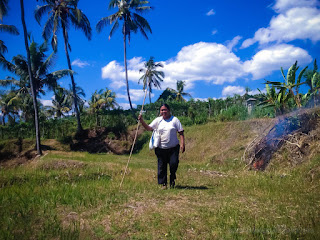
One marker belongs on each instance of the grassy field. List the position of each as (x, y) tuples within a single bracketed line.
[(75, 195)]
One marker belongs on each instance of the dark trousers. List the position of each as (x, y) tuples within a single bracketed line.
[(167, 156)]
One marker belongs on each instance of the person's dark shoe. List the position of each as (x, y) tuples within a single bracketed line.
[(172, 184)]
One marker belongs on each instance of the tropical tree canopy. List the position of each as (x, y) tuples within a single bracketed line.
[(151, 76), (62, 14), (132, 22), (40, 66), (127, 11)]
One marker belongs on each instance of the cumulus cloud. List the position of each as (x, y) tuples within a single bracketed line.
[(214, 32), (270, 59), (135, 95), (284, 5), (126, 106), (80, 63), (295, 23), (46, 102), (202, 61), (231, 44), (210, 13), (210, 62), (115, 73), (232, 90)]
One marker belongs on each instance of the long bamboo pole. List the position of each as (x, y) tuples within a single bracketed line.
[(134, 140)]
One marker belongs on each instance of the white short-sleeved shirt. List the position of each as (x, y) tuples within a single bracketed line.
[(168, 129)]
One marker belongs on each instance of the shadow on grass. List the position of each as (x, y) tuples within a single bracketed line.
[(191, 187)]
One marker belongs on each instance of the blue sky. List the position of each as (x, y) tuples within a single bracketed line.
[(217, 47)]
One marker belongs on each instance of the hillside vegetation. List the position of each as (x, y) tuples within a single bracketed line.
[(76, 195)]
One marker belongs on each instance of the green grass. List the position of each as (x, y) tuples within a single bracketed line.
[(74, 195)]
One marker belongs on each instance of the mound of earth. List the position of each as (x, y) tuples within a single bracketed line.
[(102, 140), (19, 151)]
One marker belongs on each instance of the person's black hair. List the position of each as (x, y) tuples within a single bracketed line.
[(165, 105)]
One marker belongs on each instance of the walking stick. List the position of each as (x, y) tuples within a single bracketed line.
[(134, 140)]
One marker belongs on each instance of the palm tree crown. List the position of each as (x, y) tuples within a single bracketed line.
[(132, 22), (40, 65), (5, 28), (62, 14), (180, 91), (128, 13), (151, 76)]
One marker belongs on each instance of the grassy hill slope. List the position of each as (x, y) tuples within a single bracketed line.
[(76, 195)]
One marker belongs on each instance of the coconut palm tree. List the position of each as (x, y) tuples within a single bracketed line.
[(151, 76), (33, 93), (60, 103), (101, 100), (5, 28), (132, 22), (180, 92), (80, 94), (40, 65), (8, 107), (62, 14)]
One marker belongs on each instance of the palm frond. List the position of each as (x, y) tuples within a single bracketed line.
[(3, 8), (102, 23), (48, 27), (113, 29), (40, 11), (80, 21), (9, 29)]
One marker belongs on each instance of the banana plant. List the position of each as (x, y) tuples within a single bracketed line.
[(315, 89), (290, 87), (274, 99)]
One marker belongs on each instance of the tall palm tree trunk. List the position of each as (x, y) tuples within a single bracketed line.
[(75, 100), (34, 97), (149, 91), (125, 67)]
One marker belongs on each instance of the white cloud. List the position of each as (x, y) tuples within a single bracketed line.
[(210, 13), (284, 5), (198, 62), (126, 106), (270, 59), (231, 44), (46, 102), (214, 32), (203, 62), (114, 72), (232, 90), (201, 99), (296, 23), (135, 95), (136, 63), (80, 63), (210, 62)]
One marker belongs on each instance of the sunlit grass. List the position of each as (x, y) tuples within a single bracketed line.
[(76, 195)]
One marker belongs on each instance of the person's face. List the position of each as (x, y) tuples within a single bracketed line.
[(164, 112)]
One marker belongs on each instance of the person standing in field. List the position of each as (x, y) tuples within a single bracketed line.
[(168, 151)]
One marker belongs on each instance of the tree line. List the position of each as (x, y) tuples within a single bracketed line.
[(24, 116)]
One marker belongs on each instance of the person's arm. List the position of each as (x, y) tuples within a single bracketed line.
[(146, 126), (182, 143)]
